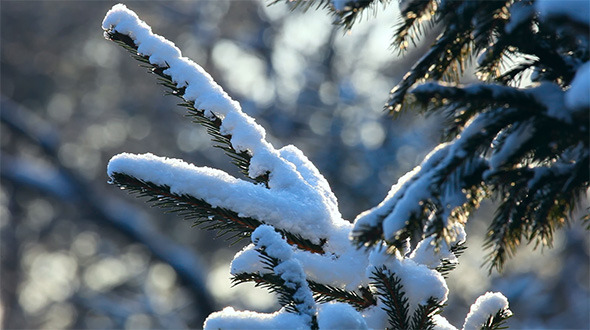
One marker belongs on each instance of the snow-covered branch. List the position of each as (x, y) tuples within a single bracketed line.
[(292, 177), (301, 246)]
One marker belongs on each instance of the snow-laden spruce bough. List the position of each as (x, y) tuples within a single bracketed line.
[(301, 247)]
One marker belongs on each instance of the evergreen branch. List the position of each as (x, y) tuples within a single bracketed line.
[(475, 96), (535, 201), (290, 284), (367, 236), (211, 122), (322, 293), (325, 293), (458, 178), (222, 220), (497, 321), (345, 17), (415, 15), (507, 229), (446, 265), (353, 11), (271, 282), (422, 317), (470, 27), (305, 4), (433, 65), (390, 290)]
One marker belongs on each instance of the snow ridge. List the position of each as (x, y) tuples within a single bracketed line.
[(484, 307)]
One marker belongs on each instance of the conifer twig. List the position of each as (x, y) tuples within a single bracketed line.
[(222, 220), (212, 123)]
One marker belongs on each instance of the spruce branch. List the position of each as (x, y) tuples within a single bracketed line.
[(212, 123), (224, 221), (322, 293), (414, 22), (389, 288), (470, 27), (326, 293), (289, 280), (534, 202), (346, 16), (446, 265), (353, 11), (433, 65), (498, 320), (422, 317), (272, 282)]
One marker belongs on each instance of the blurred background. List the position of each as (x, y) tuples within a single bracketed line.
[(79, 253)]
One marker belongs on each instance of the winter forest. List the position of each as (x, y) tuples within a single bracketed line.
[(304, 164)]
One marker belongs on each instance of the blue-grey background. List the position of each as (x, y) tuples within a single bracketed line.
[(79, 253)]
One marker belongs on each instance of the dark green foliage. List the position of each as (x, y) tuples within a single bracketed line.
[(325, 293), (446, 266), (390, 289), (354, 10), (497, 321), (514, 145), (422, 318), (322, 293), (391, 292), (467, 27)]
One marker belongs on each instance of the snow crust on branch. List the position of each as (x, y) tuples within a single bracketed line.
[(345, 269), (282, 208), (336, 315), (230, 318), (426, 252), (266, 239), (313, 210), (485, 306), (405, 198)]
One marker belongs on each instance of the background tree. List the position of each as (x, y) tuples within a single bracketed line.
[(527, 146)]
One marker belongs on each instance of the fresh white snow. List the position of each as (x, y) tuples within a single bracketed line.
[(336, 315), (230, 318), (420, 282), (484, 307)]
